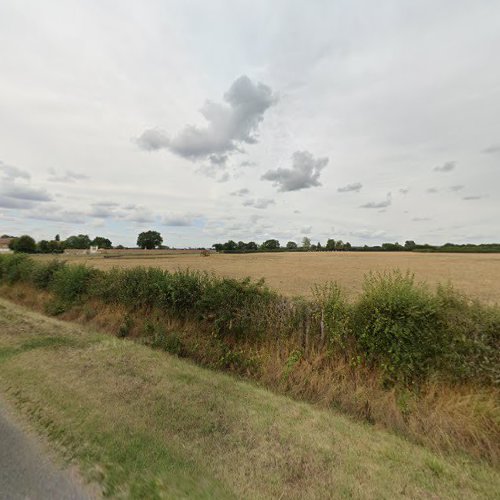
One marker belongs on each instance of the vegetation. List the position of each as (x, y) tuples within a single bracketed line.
[(24, 244), (144, 424), (399, 341), (149, 240)]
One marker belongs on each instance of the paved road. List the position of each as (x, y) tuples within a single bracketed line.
[(25, 470)]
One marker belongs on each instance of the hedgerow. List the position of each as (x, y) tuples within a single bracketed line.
[(402, 328)]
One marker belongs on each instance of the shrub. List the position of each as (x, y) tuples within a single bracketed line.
[(396, 326), (71, 282), (43, 274), (17, 267)]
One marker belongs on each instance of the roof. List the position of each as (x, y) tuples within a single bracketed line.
[(5, 241)]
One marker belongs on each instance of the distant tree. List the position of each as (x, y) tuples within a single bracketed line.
[(270, 245), (306, 243), (410, 245), (43, 246), (57, 238), (313, 248), (319, 248), (241, 245), (218, 247), (230, 245), (392, 247), (101, 242), (291, 245), (251, 245), (119, 247), (149, 240), (339, 245), (330, 245), (23, 244), (82, 241), (347, 246)]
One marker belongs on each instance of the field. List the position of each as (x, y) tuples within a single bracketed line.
[(478, 275), (145, 424)]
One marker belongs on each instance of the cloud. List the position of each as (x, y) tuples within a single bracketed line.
[(303, 174), (432, 190), (445, 167), (6, 202), (421, 219), (10, 172), (457, 187), (259, 203), (306, 230), (139, 214), (368, 233), (103, 210), (404, 191), (495, 148), (68, 176), (473, 197), (247, 163), (57, 215), (240, 192), (177, 220), (379, 204), (24, 192), (356, 186), (229, 125)]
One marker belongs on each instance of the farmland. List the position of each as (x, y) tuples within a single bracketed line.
[(478, 275)]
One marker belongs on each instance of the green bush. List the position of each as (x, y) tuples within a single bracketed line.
[(70, 283), (396, 325), (16, 267), (43, 273)]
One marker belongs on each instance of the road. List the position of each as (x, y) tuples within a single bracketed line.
[(26, 471)]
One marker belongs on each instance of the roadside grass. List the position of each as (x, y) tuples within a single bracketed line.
[(149, 425)]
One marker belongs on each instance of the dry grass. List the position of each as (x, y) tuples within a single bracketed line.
[(148, 425), (478, 275)]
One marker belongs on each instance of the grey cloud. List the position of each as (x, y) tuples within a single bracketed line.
[(259, 203), (240, 192), (421, 219), (10, 172), (24, 192), (495, 148), (432, 190), (379, 204), (473, 197), (306, 230), (247, 163), (153, 140), (140, 214), (230, 124), (356, 186), (404, 191), (57, 215), (303, 174), (177, 220), (445, 167), (103, 210), (6, 202), (368, 233), (68, 176), (457, 187)]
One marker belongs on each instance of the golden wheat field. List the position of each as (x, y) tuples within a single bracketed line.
[(478, 275)]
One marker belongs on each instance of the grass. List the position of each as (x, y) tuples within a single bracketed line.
[(147, 424), (477, 275)]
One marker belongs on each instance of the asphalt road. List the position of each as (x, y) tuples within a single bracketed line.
[(26, 472)]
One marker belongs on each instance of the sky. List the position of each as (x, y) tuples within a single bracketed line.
[(249, 120)]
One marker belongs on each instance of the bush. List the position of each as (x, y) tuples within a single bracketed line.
[(70, 283), (396, 326), (17, 267), (43, 274)]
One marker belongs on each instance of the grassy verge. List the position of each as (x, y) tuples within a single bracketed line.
[(147, 424)]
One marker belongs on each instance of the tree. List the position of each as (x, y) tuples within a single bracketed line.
[(230, 245), (43, 246), (291, 245), (330, 245), (57, 238), (101, 242), (149, 240), (218, 247), (339, 245), (82, 241), (347, 246), (411, 245), (270, 245), (242, 245), (306, 243), (23, 244), (251, 245), (319, 248)]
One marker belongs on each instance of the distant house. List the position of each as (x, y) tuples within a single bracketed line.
[(4, 245), (82, 251)]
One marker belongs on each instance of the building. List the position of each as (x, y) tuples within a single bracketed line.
[(4, 244)]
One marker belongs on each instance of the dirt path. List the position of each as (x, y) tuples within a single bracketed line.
[(26, 472)]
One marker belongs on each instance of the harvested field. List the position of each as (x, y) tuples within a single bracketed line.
[(478, 275)]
